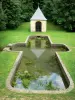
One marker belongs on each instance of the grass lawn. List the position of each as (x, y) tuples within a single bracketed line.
[(7, 59)]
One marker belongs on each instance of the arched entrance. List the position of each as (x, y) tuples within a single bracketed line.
[(38, 26)]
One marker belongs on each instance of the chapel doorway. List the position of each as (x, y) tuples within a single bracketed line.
[(38, 26)]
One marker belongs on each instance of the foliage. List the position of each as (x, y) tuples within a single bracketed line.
[(49, 86), (23, 75), (2, 18), (68, 14), (38, 2), (27, 74), (13, 13), (26, 82), (20, 75), (61, 12), (27, 10)]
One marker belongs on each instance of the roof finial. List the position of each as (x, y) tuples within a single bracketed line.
[(38, 4)]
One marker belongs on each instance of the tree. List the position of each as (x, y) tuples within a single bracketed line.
[(27, 9), (38, 2), (68, 13), (13, 12), (61, 12), (2, 18)]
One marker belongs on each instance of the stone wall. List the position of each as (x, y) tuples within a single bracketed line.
[(33, 26), (62, 67)]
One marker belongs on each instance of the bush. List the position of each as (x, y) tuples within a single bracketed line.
[(61, 12), (12, 24), (13, 13), (2, 25)]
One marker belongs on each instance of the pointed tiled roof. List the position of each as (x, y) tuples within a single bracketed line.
[(38, 15)]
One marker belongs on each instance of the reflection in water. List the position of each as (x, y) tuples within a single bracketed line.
[(42, 83), (38, 52), (19, 84), (40, 62)]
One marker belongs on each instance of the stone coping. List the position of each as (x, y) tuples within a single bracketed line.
[(62, 66)]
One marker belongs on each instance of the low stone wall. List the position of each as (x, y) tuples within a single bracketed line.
[(13, 71), (61, 46), (62, 66), (65, 73), (11, 47)]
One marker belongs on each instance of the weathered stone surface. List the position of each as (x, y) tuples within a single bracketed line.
[(6, 49), (43, 27)]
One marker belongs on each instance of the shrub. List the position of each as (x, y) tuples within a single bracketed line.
[(13, 12)]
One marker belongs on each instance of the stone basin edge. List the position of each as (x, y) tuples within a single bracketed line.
[(64, 70)]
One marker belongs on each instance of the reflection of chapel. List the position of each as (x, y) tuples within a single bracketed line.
[(38, 22)]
